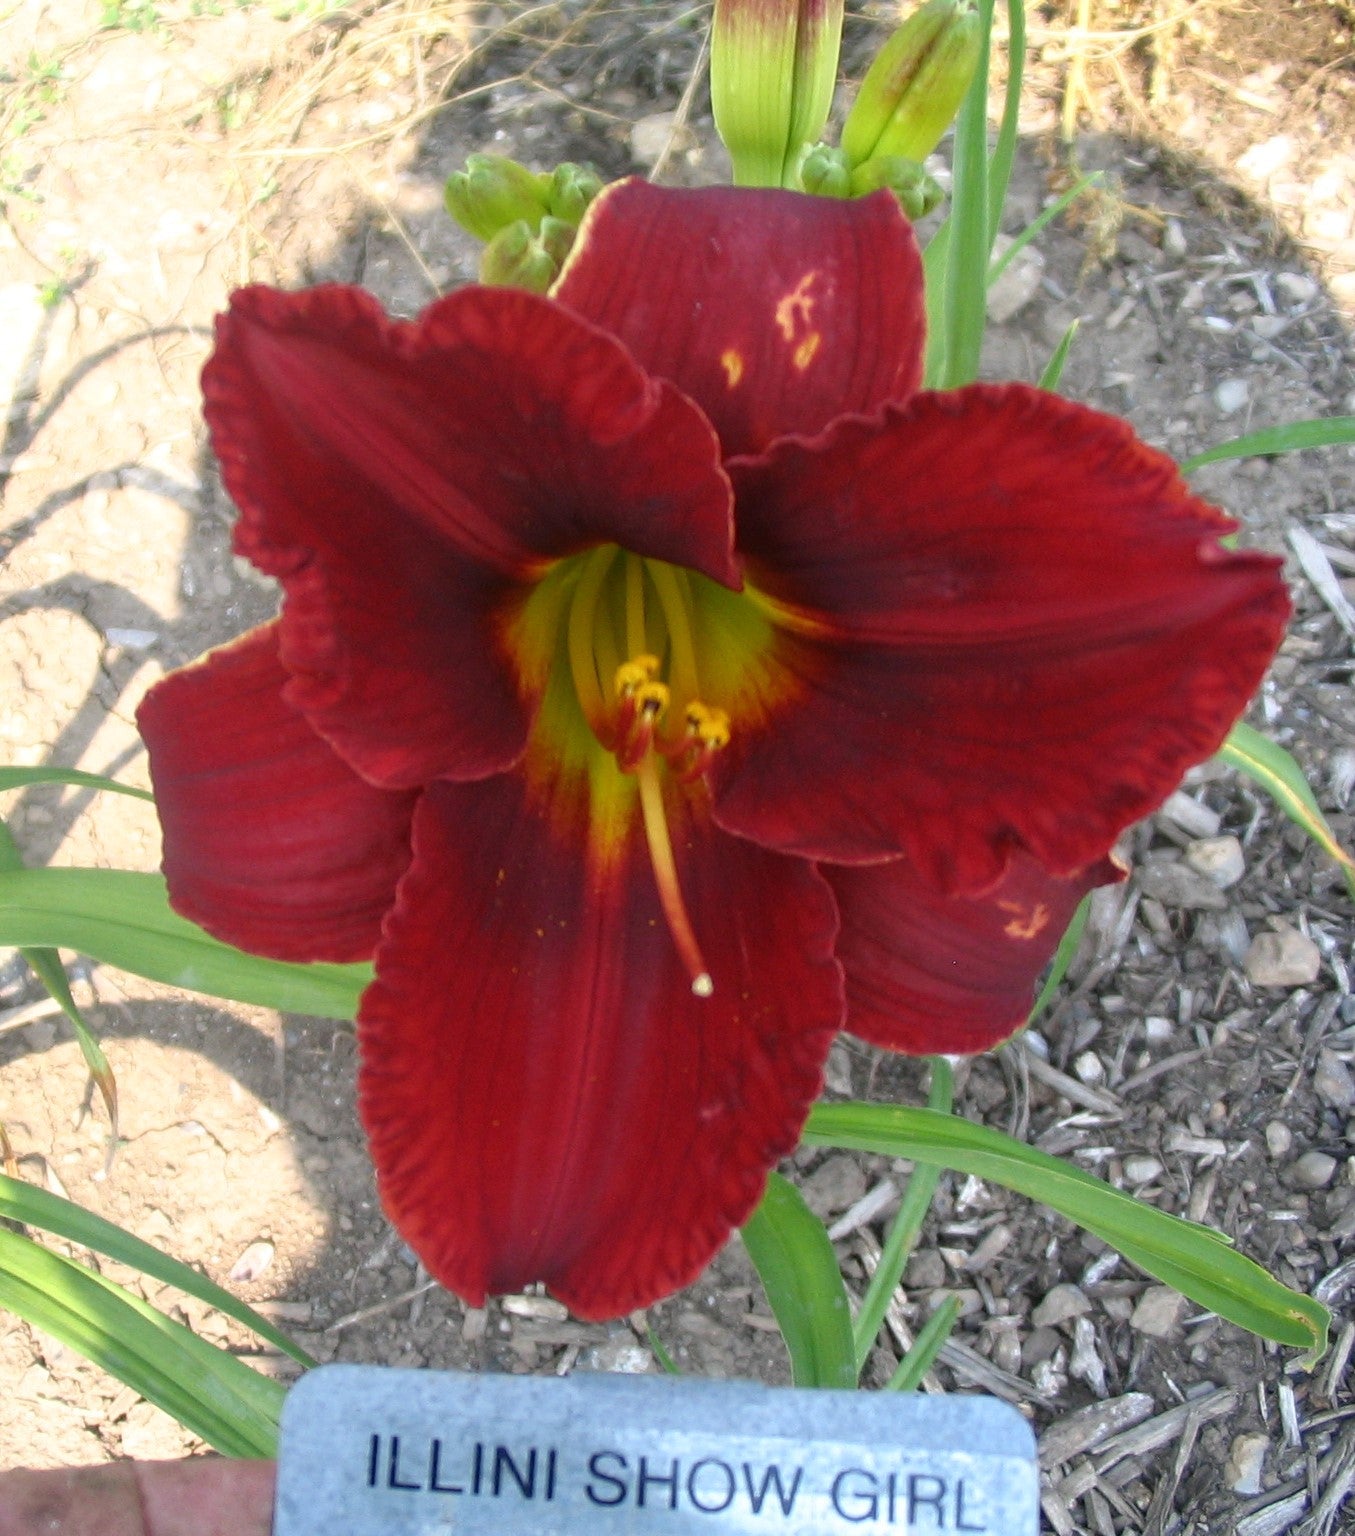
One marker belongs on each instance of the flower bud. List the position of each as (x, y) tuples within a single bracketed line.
[(824, 172), (773, 65), (917, 191), (493, 193), (520, 257), (572, 189), (914, 88)]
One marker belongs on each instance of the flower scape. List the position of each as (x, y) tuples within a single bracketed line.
[(664, 683)]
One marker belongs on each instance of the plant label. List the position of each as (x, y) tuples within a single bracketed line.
[(367, 1451)]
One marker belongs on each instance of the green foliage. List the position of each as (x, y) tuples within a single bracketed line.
[(799, 1271), (1197, 1261)]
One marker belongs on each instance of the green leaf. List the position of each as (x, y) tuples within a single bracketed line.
[(1046, 217), (1063, 957), (799, 1271), (47, 967), (1324, 432), (207, 1390), (1198, 1261), (37, 1208), (1274, 769), (903, 1231), (969, 240), (1053, 370), (926, 1346), (123, 919), (19, 778), (1004, 151)]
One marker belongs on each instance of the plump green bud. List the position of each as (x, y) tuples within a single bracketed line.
[(773, 66), (917, 191), (521, 257), (914, 88), (825, 172), (493, 193), (572, 188)]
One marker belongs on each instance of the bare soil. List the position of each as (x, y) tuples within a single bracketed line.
[(150, 165)]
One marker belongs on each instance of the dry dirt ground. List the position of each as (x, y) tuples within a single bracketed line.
[(154, 156)]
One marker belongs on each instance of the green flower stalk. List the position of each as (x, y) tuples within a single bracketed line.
[(914, 88), (773, 66)]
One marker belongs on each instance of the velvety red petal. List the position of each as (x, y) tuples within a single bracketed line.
[(271, 842), (545, 1097), (1009, 625), (402, 479), (776, 312), (930, 975)]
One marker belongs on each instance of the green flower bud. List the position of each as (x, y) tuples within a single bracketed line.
[(773, 65), (493, 193), (917, 191), (572, 188), (825, 172), (914, 88), (520, 257)]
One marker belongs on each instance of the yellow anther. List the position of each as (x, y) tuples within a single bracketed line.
[(651, 699), (710, 726), (635, 674)]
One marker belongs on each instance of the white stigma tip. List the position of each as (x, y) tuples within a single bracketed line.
[(702, 985)]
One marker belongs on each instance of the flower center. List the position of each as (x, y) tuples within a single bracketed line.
[(632, 659)]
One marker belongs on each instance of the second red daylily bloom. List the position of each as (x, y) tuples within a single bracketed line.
[(662, 685)]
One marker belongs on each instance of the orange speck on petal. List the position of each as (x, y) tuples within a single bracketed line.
[(796, 308), (732, 363), (805, 352), (1024, 924)]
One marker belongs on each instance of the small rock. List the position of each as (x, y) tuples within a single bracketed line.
[(1296, 287), (1175, 884), (131, 639), (1018, 284), (619, 1356), (252, 1262), (926, 1270), (474, 1324), (837, 1183), (40, 1034), (1314, 1170), (1141, 1169), (1158, 1029), (1190, 815), (1060, 1304), (1332, 1081), (650, 135), (1242, 1473), (1282, 958), (1089, 1067), (1158, 1311), (1279, 1138), (544, 1308), (1231, 395), (1174, 239), (1218, 859)]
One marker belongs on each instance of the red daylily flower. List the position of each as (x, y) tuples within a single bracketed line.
[(662, 685)]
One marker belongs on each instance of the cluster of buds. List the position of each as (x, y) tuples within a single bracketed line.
[(527, 219), (773, 67)]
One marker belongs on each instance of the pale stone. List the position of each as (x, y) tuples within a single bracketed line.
[(1175, 884), (1279, 1138), (1158, 1311), (1060, 1304), (1230, 395), (1018, 283), (1218, 859), (1141, 1170), (1314, 1170), (1245, 1460), (1332, 1081), (1282, 958)]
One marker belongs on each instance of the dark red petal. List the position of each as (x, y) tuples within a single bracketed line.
[(402, 479), (546, 1099), (272, 843), (931, 975), (776, 312), (1013, 627)]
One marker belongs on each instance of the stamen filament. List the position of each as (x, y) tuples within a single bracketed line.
[(583, 626), (666, 877), (636, 640), (677, 616)]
